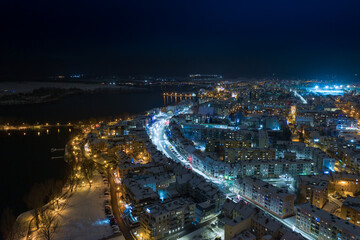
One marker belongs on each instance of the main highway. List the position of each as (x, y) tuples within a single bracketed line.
[(157, 134)]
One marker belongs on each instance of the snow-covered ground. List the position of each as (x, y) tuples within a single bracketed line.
[(23, 220), (84, 216), (206, 232)]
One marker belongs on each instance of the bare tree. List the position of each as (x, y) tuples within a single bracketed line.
[(87, 168), (73, 177), (36, 200), (58, 190), (48, 225), (9, 226), (53, 189)]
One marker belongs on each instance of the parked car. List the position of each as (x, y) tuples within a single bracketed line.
[(112, 221), (114, 226)]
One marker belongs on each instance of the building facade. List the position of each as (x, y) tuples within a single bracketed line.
[(274, 199)]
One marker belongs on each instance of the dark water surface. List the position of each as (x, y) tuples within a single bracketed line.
[(26, 159), (83, 106)]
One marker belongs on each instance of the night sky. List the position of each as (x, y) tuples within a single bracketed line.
[(233, 38)]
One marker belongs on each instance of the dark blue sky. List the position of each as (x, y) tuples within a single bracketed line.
[(234, 38)]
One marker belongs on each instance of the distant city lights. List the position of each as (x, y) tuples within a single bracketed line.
[(328, 90)]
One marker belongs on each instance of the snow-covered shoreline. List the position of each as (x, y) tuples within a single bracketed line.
[(23, 93), (27, 87)]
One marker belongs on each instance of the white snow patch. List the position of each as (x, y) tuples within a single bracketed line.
[(84, 216)]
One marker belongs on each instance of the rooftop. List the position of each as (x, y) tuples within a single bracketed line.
[(313, 182), (178, 204), (352, 202), (264, 221), (265, 185)]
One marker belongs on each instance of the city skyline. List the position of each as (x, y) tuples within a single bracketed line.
[(163, 120)]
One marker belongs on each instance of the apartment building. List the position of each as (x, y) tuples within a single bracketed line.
[(322, 225), (276, 200), (164, 219)]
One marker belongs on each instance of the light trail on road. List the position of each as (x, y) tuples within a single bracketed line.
[(299, 96)]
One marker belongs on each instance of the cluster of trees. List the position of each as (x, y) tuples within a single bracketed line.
[(80, 168), (43, 198), (81, 171)]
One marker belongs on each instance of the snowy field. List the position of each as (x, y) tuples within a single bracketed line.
[(84, 216)]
